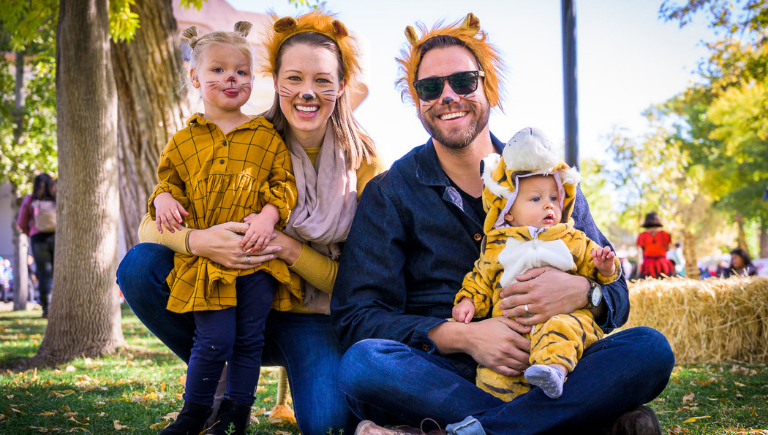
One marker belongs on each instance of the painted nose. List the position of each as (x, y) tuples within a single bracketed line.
[(231, 79), (307, 96)]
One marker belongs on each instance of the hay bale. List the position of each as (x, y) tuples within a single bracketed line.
[(710, 321)]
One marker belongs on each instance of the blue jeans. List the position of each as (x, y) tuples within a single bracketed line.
[(233, 336), (392, 383), (305, 344), (43, 246)]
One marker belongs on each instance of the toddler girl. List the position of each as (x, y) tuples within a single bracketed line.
[(224, 166)]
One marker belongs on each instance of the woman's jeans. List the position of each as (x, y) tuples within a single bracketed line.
[(42, 251), (305, 344), (390, 382)]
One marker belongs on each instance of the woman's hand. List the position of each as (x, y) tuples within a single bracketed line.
[(221, 244), (545, 292), (290, 248)]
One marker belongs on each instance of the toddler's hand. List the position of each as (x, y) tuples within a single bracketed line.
[(603, 258), (464, 311), (168, 212), (259, 233)]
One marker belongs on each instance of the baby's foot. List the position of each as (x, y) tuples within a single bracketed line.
[(548, 378)]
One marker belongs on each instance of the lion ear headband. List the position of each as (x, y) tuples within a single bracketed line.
[(317, 21), (472, 37)]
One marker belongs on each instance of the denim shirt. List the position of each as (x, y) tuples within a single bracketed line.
[(412, 241)]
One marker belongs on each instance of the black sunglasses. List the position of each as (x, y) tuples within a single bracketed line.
[(462, 83)]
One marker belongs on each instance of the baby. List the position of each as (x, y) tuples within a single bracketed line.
[(529, 195)]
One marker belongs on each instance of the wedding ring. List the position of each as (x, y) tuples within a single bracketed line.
[(248, 261), (526, 309)]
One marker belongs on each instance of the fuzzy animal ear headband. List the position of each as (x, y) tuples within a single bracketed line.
[(242, 28), (317, 21), (474, 39)]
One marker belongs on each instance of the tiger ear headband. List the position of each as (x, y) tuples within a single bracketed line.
[(317, 21), (475, 40)]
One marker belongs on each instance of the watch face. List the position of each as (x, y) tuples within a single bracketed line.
[(597, 295)]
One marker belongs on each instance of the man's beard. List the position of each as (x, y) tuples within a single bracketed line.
[(461, 139)]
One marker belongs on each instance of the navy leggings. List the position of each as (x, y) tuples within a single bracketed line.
[(234, 336)]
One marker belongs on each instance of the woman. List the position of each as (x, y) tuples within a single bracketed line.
[(741, 264), (654, 242), (312, 60), (37, 219)]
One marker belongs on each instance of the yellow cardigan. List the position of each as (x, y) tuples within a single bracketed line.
[(311, 266), (222, 178)]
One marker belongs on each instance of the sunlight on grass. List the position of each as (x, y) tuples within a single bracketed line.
[(136, 390)]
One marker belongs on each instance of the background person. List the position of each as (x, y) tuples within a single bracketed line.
[(35, 221), (741, 264), (654, 242), (312, 63)]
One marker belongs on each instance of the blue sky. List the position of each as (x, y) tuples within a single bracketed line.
[(628, 59)]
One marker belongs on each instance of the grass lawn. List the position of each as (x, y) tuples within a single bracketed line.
[(134, 389)]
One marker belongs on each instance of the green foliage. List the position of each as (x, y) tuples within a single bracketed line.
[(122, 22)]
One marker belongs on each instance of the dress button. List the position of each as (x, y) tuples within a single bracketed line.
[(221, 161), (225, 143), (478, 237)]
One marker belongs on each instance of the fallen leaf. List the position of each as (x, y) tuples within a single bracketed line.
[(71, 369), (688, 399), (119, 426), (739, 370), (692, 419), (171, 416), (268, 399), (677, 430), (160, 425), (738, 384), (47, 413), (259, 411)]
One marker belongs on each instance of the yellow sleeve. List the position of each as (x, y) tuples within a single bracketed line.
[(168, 177), (177, 241), (316, 268), (585, 265), (478, 285), (280, 191)]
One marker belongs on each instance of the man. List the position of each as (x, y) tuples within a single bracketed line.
[(418, 231)]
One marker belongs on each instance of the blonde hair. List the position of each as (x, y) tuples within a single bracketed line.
[(350, 136), (236, 39)]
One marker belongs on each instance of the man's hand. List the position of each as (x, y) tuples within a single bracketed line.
[(495, 343), (464, 311), (221, 244), (547, 292), (603, 259), (168, 212)]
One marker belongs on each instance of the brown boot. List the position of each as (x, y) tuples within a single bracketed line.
[(639, 421)]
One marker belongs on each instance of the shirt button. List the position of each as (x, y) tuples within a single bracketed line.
[(221, 161), (425, 347), (478, 237)]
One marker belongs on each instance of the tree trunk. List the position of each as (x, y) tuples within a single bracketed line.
[(763, 243), (20, 241), (20, 267), (151, 107), (689, 253), (742, 241), (84, 318)]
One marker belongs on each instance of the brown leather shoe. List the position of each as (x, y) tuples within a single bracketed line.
[(639, 421), (367, 427)]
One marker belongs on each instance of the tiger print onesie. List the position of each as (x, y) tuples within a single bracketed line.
[(510, 251)]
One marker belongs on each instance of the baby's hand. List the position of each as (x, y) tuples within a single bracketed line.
[(168, 212), (259, 233), (464, 311), (603, 258)]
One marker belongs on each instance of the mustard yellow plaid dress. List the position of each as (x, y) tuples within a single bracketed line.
[(222, 178)]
